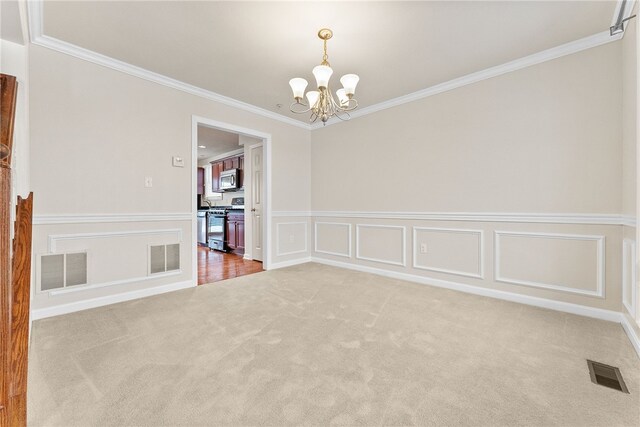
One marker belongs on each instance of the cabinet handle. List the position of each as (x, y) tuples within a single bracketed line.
[(253, 210)]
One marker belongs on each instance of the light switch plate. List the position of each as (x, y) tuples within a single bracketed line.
[(177, 162), (148, 182)]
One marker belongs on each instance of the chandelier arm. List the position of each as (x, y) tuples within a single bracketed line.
[(348, 106), (343, 112), (299, 103)]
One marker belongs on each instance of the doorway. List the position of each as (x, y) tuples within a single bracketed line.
[(230, 200)]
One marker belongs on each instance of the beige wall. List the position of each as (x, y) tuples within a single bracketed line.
[(103, 131), (97, 133), (542, 140), (629, 118)]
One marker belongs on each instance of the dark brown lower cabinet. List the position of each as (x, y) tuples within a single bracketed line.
[(235, 233)]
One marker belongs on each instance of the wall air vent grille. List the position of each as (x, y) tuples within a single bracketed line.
[(59, 271), (164, 258)]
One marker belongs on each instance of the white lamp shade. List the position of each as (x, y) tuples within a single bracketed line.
[(298, 86), (349, 82), (342, 97), (312, 97), (322, 74)]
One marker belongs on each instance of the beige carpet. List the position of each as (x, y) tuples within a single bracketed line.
[(316, 345)]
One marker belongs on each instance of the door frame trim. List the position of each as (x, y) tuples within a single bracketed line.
[(266, 176)]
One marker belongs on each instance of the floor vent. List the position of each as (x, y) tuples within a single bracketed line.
[(607, 376)]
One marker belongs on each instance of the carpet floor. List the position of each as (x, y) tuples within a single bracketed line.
[(317, 345)]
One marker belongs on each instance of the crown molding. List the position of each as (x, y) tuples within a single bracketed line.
[(38, 38), (629, 5), (508, 67)]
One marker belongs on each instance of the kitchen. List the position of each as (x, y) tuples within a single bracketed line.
[(221, 229)]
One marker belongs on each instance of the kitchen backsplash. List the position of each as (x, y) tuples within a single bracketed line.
[(226, 199)]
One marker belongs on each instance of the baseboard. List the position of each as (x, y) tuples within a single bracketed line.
[(596, 313), (631, 332), (106, 300), (276, 265)]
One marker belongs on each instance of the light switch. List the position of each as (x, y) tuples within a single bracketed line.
[(423, 248), (178, 162), (148, 182)]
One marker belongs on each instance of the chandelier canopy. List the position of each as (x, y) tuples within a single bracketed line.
[(321, 102)]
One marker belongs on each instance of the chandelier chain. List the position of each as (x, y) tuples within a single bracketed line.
[(325, 56)]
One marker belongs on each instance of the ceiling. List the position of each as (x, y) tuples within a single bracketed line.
[(249, 50), (216, 141)]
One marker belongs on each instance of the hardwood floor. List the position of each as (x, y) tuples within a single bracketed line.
[(214, 266)]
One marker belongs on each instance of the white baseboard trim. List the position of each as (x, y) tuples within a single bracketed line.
[(276, 265), (109, 299), (581, 310), (631, 332)]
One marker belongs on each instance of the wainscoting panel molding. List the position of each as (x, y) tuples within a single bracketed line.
[(629, 221), (113, 283), (478, 247), (53, 239), (101, 218), (402, 250), (629, 283), (170, 235), (280, 242), (347, 230), (543, 218), (599, 290)]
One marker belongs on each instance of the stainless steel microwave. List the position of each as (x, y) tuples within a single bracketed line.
[(229, 179)]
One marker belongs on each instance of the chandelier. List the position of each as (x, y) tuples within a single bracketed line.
[(321, 102)]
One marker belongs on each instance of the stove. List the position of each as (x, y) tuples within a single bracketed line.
[(216, 223), (236, 203), (218, 210)]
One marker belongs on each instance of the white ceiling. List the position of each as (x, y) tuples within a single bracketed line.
[(249, 50), (216, 141)]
